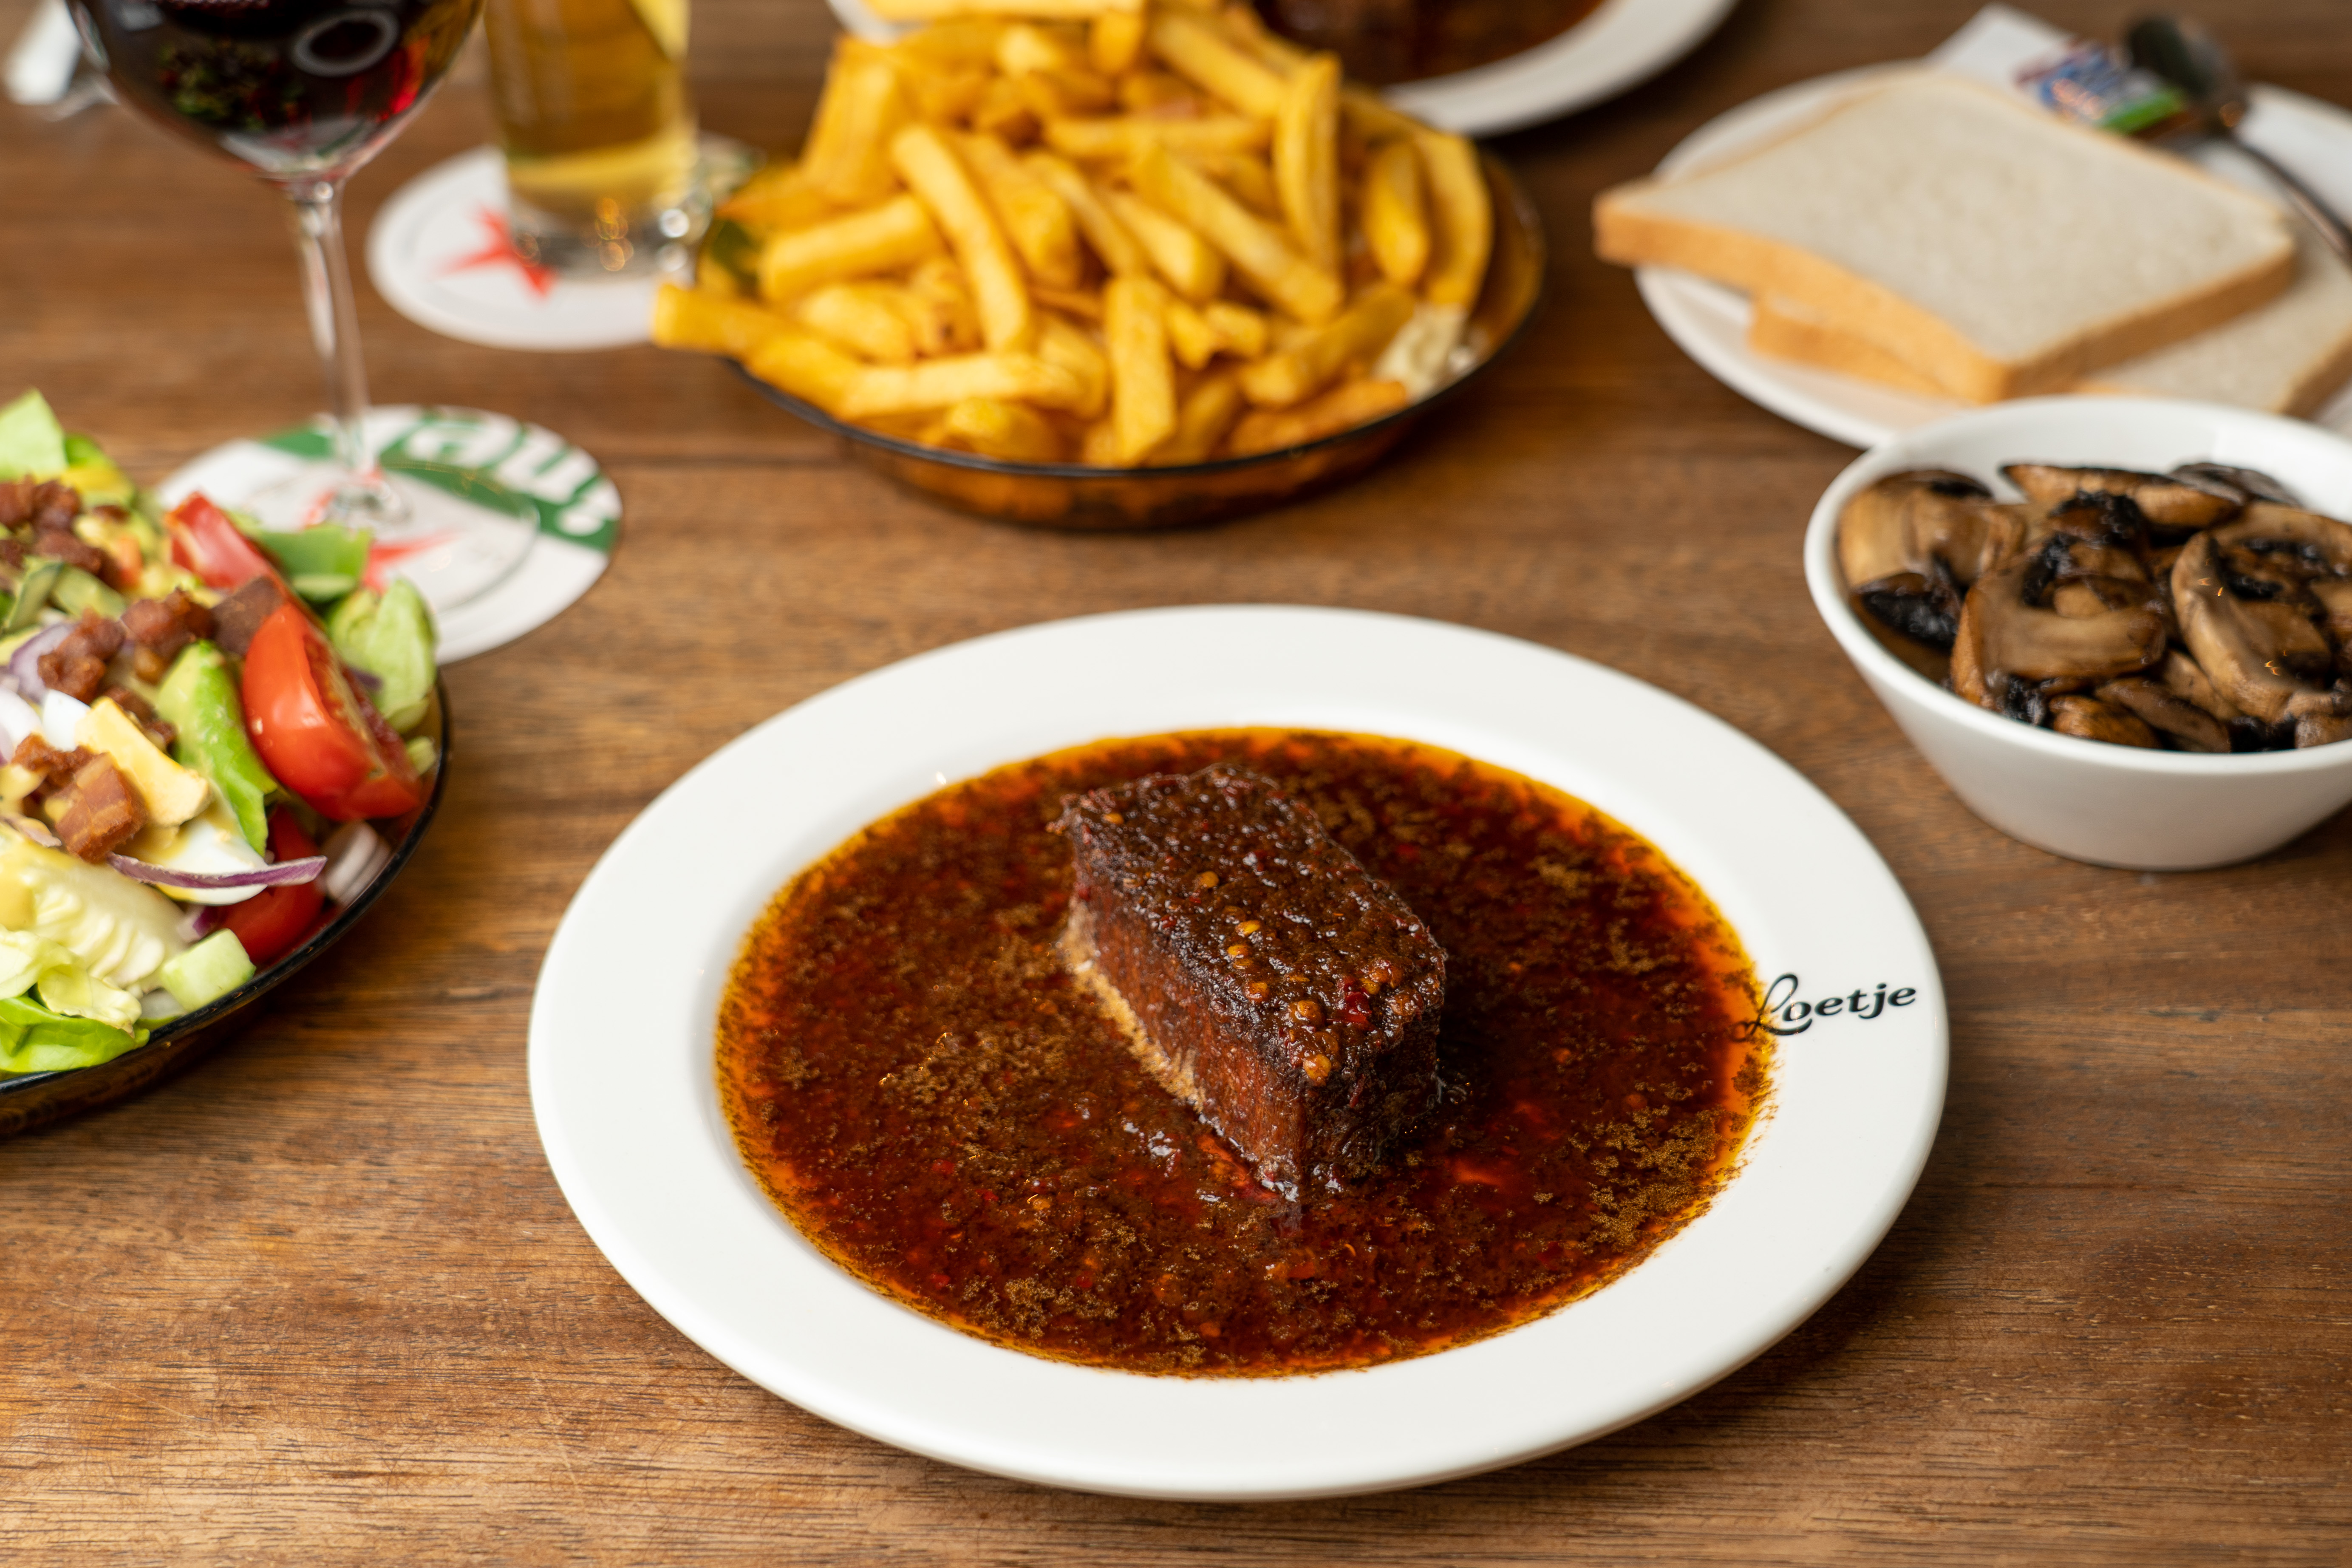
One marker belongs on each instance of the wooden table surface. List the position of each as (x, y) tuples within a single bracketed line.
[(319, 1300)]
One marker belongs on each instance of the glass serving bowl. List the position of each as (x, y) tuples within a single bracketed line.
[(1074, 496), (28, 1100)]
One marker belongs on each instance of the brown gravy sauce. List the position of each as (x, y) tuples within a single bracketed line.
[(945, 1113), (1388, 41)]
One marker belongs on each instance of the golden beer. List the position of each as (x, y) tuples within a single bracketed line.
[(597, 126)]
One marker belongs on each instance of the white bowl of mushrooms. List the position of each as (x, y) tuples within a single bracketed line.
[(2121, 629)]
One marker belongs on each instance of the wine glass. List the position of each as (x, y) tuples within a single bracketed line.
[(304, 92)]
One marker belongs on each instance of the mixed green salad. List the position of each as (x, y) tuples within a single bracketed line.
[(199, 720)]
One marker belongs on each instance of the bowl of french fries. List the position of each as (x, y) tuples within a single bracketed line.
[(1110, 264)]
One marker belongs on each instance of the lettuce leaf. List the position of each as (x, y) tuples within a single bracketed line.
[(32, 443), (67, 987), (34, 1040)]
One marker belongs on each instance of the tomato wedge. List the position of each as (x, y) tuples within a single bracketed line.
[(207, 542), (273, 921), (316, 731)]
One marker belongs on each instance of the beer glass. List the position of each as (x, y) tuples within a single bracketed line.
[(598, 131)]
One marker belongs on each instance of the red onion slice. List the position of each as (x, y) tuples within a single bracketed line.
[(36, 830), (285, 871), (24, 664)]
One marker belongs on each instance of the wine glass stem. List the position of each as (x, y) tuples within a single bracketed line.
[(334, 320)]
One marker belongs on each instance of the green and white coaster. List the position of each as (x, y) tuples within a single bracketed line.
[(457, 460)]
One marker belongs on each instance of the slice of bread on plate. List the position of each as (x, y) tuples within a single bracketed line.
[(2288, 356), (1997, 250)]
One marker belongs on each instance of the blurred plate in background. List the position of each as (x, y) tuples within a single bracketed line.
[(1622, 44)]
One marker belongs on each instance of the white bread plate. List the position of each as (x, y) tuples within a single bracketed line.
[(1710, 322), (2108, 805)]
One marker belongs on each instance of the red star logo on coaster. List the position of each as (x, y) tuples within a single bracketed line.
[(498, 250), (385, 554)]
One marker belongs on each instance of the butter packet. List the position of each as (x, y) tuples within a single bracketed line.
[(2084, 79)]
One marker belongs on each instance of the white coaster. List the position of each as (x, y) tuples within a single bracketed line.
[(487, 461), (439, 250)]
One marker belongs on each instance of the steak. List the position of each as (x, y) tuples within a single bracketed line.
[(1261, 973)]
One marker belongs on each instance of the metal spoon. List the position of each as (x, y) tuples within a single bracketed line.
[(2184, 54)]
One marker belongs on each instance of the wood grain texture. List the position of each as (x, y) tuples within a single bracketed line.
[(319, 1300)]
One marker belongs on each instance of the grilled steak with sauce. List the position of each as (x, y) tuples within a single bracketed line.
[(1257, 969)]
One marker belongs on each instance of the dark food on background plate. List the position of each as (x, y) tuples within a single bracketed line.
[(1389, 41), (945, 1109), (1262, 974), (2203, 610)]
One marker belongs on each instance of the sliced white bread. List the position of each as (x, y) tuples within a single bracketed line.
[(2289, 356), (1998, 249)]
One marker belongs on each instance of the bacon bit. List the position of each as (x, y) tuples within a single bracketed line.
[(101, 810), (238, 617), (162, 627), (12, 553), (62, 544), (48, 503), (77, 665), (35, 754)]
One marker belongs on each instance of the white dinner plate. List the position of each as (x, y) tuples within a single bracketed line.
[(622, 1072), (1710, 321), (1622, 45)]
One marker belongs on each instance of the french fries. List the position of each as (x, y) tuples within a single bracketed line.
[(863, 104), (1048, 10), (1356, 403), (996, 429), (1306, 158), (1396, 223), (862, 318), (1143, 381), (1121, 253), (1076, 351), (1254, 246), (1114, 41), (1313, 360), (1125, 135), (944, 382), (897, 234), (1464, 226), (1196, 49), (1034, 216), (1115, 232), (931, 168), (1204, 417), (1190, 264)]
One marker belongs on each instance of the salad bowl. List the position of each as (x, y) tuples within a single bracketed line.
[(28, 1100)]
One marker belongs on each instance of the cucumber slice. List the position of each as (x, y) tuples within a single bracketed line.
[(206, 971)]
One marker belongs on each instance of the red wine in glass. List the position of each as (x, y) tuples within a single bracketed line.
[(304, 92)]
